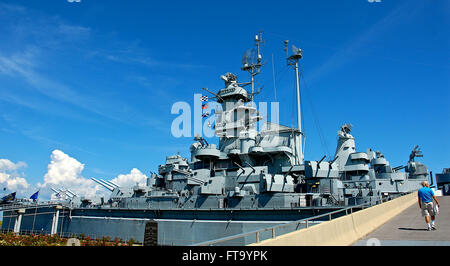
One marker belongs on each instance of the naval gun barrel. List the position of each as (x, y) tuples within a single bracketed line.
[(73, 194), (335, 158), (288, 172), (114, 185), (67, 192), (253, 169), (105, 185), (238, 165), (110, 187), (398, 167), (318, 163), (322, 159)]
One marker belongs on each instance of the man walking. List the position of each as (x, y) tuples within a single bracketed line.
[(426, 197)]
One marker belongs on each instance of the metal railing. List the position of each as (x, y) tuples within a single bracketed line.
[(307, 222), (16, 206)]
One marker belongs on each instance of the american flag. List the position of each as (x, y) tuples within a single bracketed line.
[(203, 98), (205, 106)]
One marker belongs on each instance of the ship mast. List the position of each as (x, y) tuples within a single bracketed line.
[(293, 61), (252, 62)]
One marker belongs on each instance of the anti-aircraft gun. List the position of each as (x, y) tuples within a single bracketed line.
[(416, 170), (416, 152)]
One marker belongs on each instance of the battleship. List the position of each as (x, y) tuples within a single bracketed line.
[(443, 181), (251, 180)]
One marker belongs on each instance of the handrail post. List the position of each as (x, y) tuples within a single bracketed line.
[(273, 232), (257, 237), (307, 223)]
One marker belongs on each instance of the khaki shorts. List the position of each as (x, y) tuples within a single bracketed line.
[(427, 209)]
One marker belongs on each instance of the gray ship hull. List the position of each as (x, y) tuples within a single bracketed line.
[(174, 227)]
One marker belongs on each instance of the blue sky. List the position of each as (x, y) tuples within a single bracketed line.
[(96, 80)]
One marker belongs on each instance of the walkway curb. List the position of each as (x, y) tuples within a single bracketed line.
[(346, 230)]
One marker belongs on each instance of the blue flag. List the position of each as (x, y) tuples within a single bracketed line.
[(35, 196), (9, 197)]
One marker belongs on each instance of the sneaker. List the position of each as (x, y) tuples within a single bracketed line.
[(433, 227), (428, 229)]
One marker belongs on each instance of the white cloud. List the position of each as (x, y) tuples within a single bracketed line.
[(65, 172), (7, 165), (9, 178), (129, 180), (12, 182), (63, 169)]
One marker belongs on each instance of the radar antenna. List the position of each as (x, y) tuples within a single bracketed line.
[(292, 60), (346, 128), (251, 62)]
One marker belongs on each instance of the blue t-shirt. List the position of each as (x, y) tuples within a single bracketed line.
[(426, 194)]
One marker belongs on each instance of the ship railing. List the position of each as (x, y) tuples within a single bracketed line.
[(16, 206), (271, 232)]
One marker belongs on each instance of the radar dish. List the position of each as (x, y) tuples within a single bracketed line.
[(250, 57), (346, 128), (295, 50)]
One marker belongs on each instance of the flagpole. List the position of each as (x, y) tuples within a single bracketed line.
[(35, 212), (34, 219)]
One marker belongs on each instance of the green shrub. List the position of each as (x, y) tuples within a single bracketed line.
[(12, 239)]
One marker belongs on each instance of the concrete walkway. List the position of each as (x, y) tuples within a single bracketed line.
[(409, 229)]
